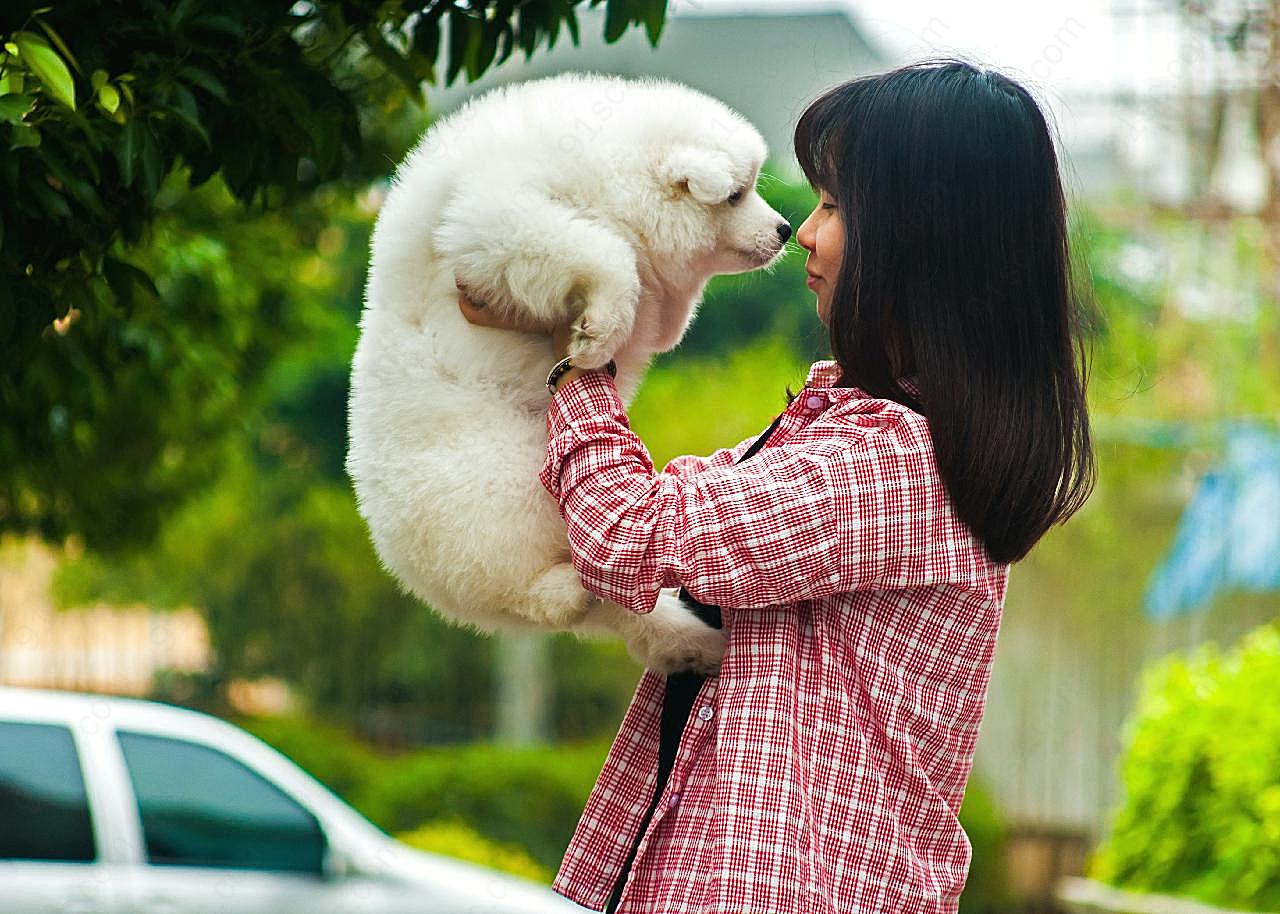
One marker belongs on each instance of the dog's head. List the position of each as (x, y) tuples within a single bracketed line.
[(712, 210)]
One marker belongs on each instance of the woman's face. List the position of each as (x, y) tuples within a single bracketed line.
[(822, 235)]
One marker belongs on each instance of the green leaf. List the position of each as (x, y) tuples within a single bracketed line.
[(127, 150), (507, 45), (486, 47), (74, 185), (125, 279), (53, 203), (48, 67), (187, 111), (109, 98), (426, 44), (180, 11), (390, 58), (60, 45), (527, 31), (655, 18), (464, 38), (14, 107), (616, 19), (24, 137), (98, 79), (152, 164), (204, 80), (218, 23)]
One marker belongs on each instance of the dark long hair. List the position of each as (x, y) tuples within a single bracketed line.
[(956, 271)]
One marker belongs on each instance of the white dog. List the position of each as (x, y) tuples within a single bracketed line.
[(604, 200)]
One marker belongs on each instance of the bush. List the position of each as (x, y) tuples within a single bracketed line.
[(1201, 772), (529, 797), (329, 753), (987, 889), (454, 839), (526, 797), (691, 404)]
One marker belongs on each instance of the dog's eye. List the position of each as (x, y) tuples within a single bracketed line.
[(736, 197)]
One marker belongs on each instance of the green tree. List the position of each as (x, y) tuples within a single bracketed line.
[(108, 390), (274, 553)]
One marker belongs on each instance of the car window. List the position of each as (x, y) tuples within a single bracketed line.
[(43, 807), (201, 807)]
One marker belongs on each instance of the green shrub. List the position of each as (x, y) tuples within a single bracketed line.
[(1201, 773), (987, 889), (529, 797), (526, 797), (691, 404), (329, 753), (454, 839)]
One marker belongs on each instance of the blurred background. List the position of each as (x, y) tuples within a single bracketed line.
[(182, 257)]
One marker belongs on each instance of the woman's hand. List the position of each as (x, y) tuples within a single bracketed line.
[(477, 313)]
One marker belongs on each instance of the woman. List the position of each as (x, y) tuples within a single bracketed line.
[(861, 555)]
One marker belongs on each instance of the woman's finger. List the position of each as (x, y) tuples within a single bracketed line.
[(479, 313), (560, 340)]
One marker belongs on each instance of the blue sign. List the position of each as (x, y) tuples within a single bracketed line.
[(1229, 535)]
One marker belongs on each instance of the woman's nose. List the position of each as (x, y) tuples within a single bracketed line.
[(804, 235)]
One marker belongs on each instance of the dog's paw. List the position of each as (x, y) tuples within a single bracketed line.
[(590, 345), (556, 599), (602, 328), (671, 639)]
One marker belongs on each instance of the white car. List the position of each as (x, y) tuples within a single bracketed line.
[(116, 806)]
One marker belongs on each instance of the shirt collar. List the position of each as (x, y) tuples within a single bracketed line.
[(823, 376)]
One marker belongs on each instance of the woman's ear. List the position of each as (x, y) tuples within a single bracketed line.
[(702, 173)]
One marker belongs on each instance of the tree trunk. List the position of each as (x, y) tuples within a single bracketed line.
[(523, 681)]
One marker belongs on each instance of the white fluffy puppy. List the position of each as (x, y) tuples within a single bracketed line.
[(598, 199)]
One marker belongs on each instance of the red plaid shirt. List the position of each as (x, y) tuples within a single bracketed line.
[(822, 770)]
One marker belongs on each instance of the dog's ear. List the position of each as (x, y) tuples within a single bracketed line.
[(704, 174)]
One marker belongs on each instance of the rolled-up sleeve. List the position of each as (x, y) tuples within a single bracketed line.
[(854, 510)]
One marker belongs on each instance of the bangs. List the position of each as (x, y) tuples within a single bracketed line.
[(818, 136)]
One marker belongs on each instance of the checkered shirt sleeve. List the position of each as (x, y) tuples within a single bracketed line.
[(853, 508)]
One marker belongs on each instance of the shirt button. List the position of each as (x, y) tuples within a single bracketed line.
[(815, 402), (705, 712), (673, 801)]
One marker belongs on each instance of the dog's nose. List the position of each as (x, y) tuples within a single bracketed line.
[(784, 231)]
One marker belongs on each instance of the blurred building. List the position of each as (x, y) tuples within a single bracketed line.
[(115, 650), (766, 64)]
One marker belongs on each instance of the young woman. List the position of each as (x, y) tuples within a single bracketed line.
[(860, 555)]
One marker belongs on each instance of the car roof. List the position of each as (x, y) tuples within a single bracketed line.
[(53, 706)]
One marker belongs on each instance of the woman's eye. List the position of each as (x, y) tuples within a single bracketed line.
[(736, 196)]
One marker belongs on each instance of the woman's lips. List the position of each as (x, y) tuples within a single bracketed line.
[(813, 278)]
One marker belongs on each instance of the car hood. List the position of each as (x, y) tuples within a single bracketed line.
[(477, 889)]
